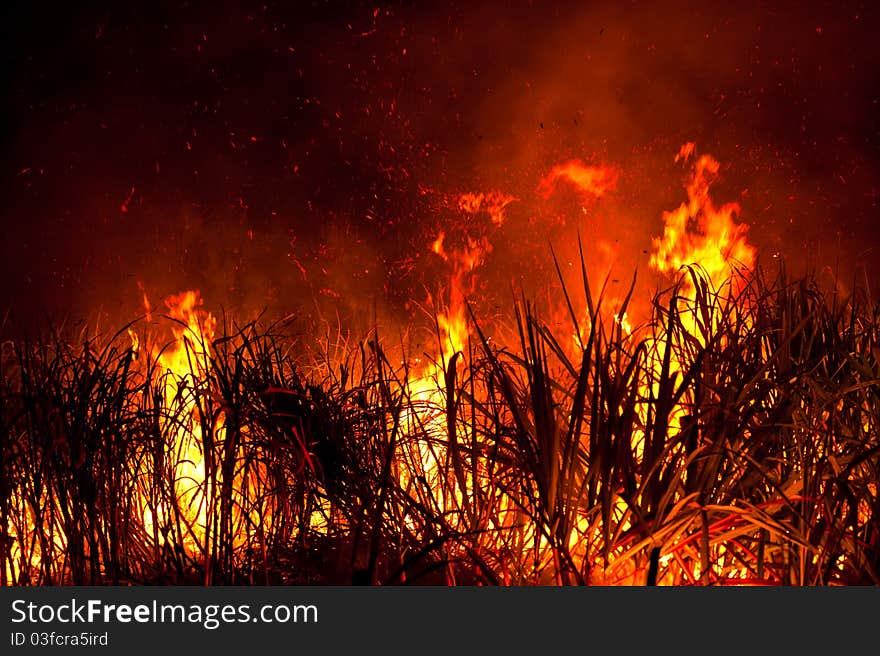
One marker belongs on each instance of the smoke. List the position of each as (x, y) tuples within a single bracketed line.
[(296, 158)]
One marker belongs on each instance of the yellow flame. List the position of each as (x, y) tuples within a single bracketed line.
[(698, 232)]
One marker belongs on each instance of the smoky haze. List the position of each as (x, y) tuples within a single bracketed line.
[(295, 157)]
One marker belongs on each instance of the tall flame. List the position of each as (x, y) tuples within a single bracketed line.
[(184, 366), (698, 232)]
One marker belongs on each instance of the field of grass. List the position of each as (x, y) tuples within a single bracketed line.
[(733, 438)]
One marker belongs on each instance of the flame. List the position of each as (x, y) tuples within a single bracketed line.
[(184, 366), (493, 203), (426, 411), (427, 388), (590, 181), (463, 260), (698, 232)]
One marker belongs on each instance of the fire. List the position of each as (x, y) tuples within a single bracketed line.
[(493, 203), (201, 453), (442, 388), (428, 387), (183, 368), (590, 181), (463, 261), (698, 232), (464, 258)]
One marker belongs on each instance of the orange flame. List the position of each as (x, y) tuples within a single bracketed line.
[(183, 366), (698, 232), (590, 181), (493, 203)]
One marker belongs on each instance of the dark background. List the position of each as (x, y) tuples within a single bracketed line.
[(295, 155), (354, 618)]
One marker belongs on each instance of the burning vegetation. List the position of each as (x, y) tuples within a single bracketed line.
[(447, 293), (721, 429)]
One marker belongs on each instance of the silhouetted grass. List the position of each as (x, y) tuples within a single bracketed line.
[(731, 438)]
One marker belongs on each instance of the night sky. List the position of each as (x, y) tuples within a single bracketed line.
[(295, 155)]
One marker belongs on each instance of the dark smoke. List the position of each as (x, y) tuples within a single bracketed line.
[(291, 156)]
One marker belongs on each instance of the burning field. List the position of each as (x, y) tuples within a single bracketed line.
[(386, 295)]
